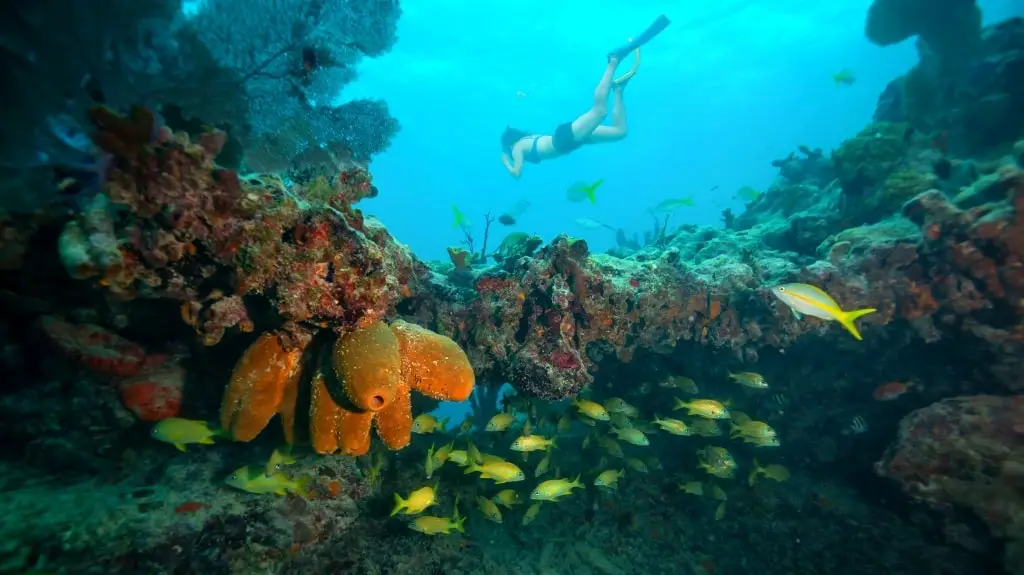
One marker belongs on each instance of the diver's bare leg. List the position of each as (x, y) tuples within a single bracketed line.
[(584, 126), (618, 129)]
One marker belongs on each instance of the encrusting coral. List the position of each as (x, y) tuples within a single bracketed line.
[(364, 381)]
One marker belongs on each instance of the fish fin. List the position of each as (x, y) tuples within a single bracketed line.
[(280, 492), (443, 424), (459, 525), (591, 196), (180, 446), (302, 485), (206, 440), (847, 318), (399, 504), (796, 314)]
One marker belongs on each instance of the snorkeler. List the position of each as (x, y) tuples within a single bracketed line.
[(518, 146)]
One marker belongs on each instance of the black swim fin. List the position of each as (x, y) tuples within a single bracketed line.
[(653, 30)]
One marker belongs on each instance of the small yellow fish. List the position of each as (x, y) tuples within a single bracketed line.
[(673, 426), (431, 464), (442, 455), (739, 418), (636, 465), (499, 471), (810, 300), (762, 441), (844, 77), (609, 478), (717, 461), (591, 409), (500, 422), (429, 525), (542, 467), (774, 472), (427, 423), (682, 383), (474, 453), (564, 424), (181, 432), (459, 457), (720, 511), (260, 483), (459, 221), (619, 419), (281, 457), (707, 408), (580, 191), (531, 513), (618, 405), (749, 379), (554, 489), (705, 427), (757, 429), (692, 488), (632, 436), (674, 204), (507, 497), (611, 446), (532, 443), (488, 508), (718, 493), (376, 464), (467, 425), (417, 502)]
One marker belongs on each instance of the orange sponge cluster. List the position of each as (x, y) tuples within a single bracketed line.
[(364, 381)]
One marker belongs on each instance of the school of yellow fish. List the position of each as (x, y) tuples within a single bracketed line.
[(614, 422)]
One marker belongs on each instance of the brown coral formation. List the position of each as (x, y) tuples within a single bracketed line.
[(966, 452), (206, 236), (363, 380)]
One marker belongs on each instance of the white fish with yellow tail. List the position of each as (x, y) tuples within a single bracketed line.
[(609, 479), (813, 301), (555, 489)]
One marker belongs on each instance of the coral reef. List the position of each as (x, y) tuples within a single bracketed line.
[(966, 452)]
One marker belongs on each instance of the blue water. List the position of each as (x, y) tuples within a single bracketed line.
[(730, 86)]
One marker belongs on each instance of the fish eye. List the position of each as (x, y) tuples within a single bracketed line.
[(782, 289)]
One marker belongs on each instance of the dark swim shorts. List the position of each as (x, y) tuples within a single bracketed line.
[(563, 140)]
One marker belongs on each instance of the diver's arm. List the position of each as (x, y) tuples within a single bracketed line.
[(514, 165)]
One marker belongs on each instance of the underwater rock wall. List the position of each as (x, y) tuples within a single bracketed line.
[(966, 453)]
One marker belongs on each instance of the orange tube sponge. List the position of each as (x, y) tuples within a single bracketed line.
[(323, 417), (368, 364), (394, 423), (433, 364), (256, 389)]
